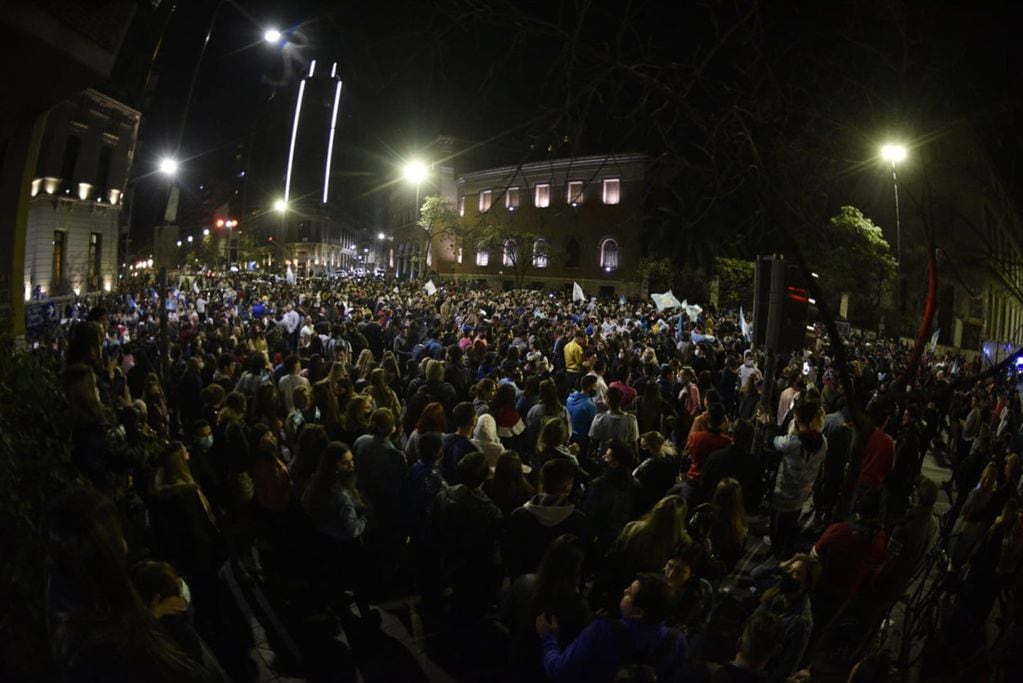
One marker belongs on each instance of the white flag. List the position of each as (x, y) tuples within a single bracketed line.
[(743, 325), (577, 292), (430, 288), (934, 340), (195, 285), (693, 311), (290, 276)]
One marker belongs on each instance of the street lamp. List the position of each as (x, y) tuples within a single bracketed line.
[(416, 172), (894, 154), (280, 206), (168, 166), (272, 35)]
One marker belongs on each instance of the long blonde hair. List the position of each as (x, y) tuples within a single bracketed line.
[(650, 540), (728, 502)]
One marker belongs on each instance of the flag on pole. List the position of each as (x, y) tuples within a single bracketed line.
[(195, 285), (665, 301), (577, 292), (934, 340), (290, 276), (743, 325), (955, 367), (430, 288)]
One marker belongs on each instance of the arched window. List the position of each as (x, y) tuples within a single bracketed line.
[(609, 254), (482, 256), (508, 257), (540, 252)]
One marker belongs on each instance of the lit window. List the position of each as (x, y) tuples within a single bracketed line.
[(485, 199), (542, 195), (461, 206), (511, 198), (574, 196), (482, 257), (609, 254), (612, 190), (459, 254), (509, 253), (540, 252)]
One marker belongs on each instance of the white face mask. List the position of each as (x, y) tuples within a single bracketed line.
[(206, 442)]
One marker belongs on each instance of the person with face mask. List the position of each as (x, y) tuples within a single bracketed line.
[(789, 600), (200, 462)]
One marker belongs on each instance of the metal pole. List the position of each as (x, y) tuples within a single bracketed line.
[(898, 219)]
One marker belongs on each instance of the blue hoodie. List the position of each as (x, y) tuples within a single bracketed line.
[(582, 409)]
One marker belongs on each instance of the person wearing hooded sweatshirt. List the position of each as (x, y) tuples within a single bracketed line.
[(484, 436), (549, 514), (802, 450), (582, 408)]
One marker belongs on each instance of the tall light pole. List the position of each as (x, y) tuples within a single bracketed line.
[(895, 154), (281, 207), (416, 172)]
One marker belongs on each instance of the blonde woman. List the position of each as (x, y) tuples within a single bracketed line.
[(383, 396)]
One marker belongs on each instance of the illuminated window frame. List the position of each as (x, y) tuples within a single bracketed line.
[(574, 192), (486, 200), (542, 195), (612, 191)]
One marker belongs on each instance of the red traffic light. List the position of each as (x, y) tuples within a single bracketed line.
[(220, 222)]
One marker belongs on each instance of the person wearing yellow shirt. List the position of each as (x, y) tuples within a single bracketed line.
[(575, 356)]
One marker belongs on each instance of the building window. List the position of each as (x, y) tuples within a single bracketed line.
[(612, 190), (511, 198), (95, 259), (461, 205), (574, 196), (572, 253), (508, 256), (609, 254), (540, 253), (486, 197), (67, 166), (59, 250), (542, 195), (390, 258), (106, 155), (482, 257), (459, 255)]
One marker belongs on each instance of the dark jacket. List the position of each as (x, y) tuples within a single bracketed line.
[(418, 491), (655, 476), (454, 447), (465, 527), (379, 471), (184, 533), (610, 505), (535, 525)]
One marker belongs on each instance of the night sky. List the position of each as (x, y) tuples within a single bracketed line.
[(537, 78)]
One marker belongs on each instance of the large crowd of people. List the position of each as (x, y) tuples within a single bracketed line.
[(593, 479)]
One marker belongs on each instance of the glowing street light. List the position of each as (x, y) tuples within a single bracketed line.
[(280, 206), (205, 232), (381, 236), (415, 172), (894, 154), (272, 35), (168, 166)]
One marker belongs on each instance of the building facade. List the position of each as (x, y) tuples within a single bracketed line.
[(76, 196), (542, 225)]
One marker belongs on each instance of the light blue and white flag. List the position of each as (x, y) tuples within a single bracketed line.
[(744, 326)]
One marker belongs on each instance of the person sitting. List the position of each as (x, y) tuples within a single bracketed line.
[(789, 600), (761, 640), (608, 646), (546, 516)]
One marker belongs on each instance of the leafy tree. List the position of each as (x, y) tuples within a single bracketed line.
[(735, 282), (518, 250), (439, 220), (852, 256)]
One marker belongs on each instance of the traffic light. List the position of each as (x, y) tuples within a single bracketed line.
[(782, 306)]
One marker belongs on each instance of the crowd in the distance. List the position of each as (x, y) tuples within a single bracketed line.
[(582, 473)]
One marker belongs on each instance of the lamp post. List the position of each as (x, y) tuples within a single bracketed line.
[(895, 154), (416, 172), (281, 207)]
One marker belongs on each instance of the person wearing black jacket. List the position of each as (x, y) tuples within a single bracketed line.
[(735, 461), (465, 533), (546, 516), (611, 502), (458, 444)]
